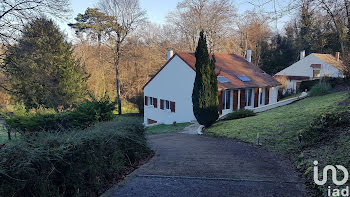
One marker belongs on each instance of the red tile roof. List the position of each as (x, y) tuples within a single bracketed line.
[(231, 66)]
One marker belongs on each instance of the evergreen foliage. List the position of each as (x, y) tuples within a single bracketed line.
[(42, 69), (205, 90)]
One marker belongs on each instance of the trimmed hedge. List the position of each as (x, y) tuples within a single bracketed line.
[(242, 113), (76, 163), (85, 115)]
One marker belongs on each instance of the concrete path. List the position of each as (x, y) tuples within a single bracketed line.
[(195, 165)]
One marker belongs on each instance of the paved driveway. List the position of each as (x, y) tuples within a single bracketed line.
[(193, 165)]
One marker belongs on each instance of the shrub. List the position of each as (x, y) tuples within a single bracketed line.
[(321, 127), (307, 85), (76, 163), (85, 115), (322, 88), (242, 113)]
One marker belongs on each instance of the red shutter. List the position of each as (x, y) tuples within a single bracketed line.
[(161, 104), (242, 102), (220, 102), (267, 95), (155, 102), (256, 97), (172, 106), (235, 100), (146, 100)]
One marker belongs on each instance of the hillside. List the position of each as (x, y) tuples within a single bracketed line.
[(280, 128)]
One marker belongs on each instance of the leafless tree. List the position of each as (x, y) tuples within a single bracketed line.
[(126, 16), (14, 14), (215, 17)]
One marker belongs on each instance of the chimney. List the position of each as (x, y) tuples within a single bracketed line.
[(170, 54), (337, 56), (302, 54), (249, 55)]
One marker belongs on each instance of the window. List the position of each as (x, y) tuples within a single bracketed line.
[(248, 97), (222, 79), (228, 99), (167, 104), (172, 106), (316, 73), (151, 100), (244, 78)]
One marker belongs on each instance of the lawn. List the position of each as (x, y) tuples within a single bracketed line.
[(162, 128), (157, 129), (278, 128)]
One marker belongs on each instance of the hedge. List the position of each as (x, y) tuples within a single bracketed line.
[(76, 163), (242, 113), (83, 116)]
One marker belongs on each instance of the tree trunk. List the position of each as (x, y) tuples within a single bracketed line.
[(116, 64), (347, 8)]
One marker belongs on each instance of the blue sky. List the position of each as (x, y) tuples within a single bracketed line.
[(157, 10)]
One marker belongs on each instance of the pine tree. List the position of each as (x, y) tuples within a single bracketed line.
[(42, 69), (205, 90)]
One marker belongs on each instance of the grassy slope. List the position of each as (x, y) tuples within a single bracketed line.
[(278, 128), (3, 134)]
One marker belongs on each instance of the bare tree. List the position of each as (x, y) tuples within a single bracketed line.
[(14, 14), (126, 16), (215, 17)]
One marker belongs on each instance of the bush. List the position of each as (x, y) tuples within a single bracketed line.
[(76, 163), (322, 88), (321, 127), (242, 113), (307, 85), (85, 115)]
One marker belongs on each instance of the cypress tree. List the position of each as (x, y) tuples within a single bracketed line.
[(205, 90), (42, 69)]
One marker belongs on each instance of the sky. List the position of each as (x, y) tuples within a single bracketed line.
[(157, 10)]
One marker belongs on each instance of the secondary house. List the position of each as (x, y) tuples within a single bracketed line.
[(242, 85), (313, 66)]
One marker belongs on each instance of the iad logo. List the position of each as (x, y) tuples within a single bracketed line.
[(335, 191)]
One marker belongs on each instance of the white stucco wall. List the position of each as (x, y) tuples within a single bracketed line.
[(173, 83), (303, 68)]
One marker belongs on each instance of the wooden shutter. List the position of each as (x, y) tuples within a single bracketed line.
[(242, 102), (256, 97), (161, 104), (172, 106), (146, 100), (220, 102), (155, 102), (267, 95), (235, 100)]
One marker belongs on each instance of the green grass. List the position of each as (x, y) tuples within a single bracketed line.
[(162, 128), (278, 128)]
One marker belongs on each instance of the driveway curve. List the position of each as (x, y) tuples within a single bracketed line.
[(194, 165)]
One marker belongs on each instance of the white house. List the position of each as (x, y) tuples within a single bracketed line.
[(313, 66), (168, 95)]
